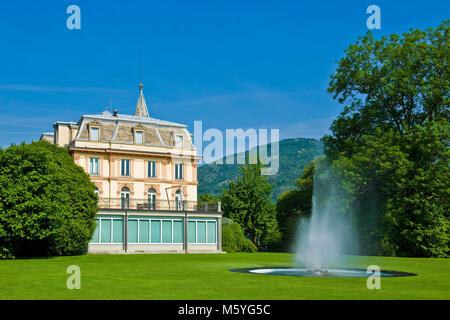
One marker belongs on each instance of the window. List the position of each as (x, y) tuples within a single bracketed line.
[(150, 230), (192, 233), (178, 232), (94, 134), (179, 141), (133, 231), (155, 231), (152, 169), (97, 192), (144, 231), (125, 198), (152, 199), (202, 231), (105, 235), (211, 227), (138, 137), (117, 230), (125, 168), (93, 166), (178, 201), (179, 171), (166, 231), (96, 236), (108, 230)]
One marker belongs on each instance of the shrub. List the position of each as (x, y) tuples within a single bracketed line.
[(47, 202), (233, 239), (248, 246)]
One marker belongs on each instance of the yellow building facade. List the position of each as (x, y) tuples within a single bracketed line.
[(145, 173)]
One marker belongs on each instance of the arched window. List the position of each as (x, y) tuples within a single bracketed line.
[(151, 199), (125, 198), (96, 191), (178, 200)]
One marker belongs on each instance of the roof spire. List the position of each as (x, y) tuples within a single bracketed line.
[(141, 106)]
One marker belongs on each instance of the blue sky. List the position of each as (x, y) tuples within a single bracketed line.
[(232, 64)]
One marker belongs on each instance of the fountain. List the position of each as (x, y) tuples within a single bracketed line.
[(317, 271), (324, 238)]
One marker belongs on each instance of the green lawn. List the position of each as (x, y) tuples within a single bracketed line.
[(207, 276)]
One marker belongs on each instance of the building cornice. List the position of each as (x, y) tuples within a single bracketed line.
[(154, 181), (135, 152)]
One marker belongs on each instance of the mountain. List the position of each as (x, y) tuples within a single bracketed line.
[(294, 155)]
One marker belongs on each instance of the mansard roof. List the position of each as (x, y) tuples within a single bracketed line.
[(119, 128)]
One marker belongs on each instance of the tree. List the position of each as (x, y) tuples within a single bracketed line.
[(247, 202), (47, 202), (394, 83), (391, 141), (294, 204), (207, 198)]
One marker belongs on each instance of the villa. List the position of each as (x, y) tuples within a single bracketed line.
[(145, 175)]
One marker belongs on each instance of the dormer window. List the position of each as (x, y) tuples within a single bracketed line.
[(94, 134), (178, 141), (138, 137)]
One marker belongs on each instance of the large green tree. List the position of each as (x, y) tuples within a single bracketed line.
[(396, 83), (47, 202), (391, 141), (247, 202)]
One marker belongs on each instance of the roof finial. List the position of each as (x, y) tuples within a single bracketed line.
[(141, 107)]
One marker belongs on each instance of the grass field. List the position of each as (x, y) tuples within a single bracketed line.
[(207, 276)]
